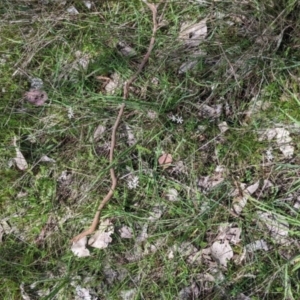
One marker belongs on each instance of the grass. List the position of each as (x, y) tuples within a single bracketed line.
[(251, 57)]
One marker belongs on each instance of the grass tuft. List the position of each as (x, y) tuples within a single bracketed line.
[(247, 77)]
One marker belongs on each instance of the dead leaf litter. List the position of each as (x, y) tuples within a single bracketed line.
[(218, 244)]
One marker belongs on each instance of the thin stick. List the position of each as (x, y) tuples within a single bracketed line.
[(95, 222), (127, 84)]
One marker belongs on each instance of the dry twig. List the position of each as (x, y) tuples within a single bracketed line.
[(156, 25)]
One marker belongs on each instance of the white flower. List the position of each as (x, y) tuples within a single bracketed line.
[(70, 113), (133, 182), (173, 118), (177, 119)]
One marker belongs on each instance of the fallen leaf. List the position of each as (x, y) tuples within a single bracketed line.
[(268, 134), (171, 254), (287, 150), (19, 160), (189, 292), (36, 97), (283, 139), (217, 274), (253, 188), (283, 136), (129, 294), (60, 2), (79, 248), (240, 200), (221, 252), (172, 195), (223, 126), (209, 182), (193, 34), (125, 49), (22, 194), (99, 132), (255, 106), (186, 66), (24, 295), (179, 168), (151, 248), (257, 245), (102, 237), (114, 83), (4, 229), (135, 253), (278, 227), (165, 160), (297, 203), (156, 213), (233, 235), (83, 294), (195, 258), (72, 10), (100, 240), (88, 4), (46, 158), (229, 232), (186, 250), (125, 232), (190, 64), (112, 274), (212, 112), (207, 259), (242, 296), (267, 184), (206, 277)]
